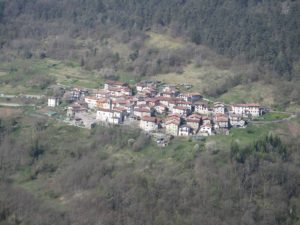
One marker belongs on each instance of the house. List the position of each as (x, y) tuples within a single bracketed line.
[(53, 102), (148, 123), (91, 101), (114, 84), (104, 115), (102, 94), (184, 104), (103, 103), (174, 117), (120, 112), (110, 116), (167, 94), (161, 109), (219, 108), (126, 91), (170, 90), (152, 102), (206, 121), (140, 86), (246, 109), (78, 93), (181, 110), (149, 91), (141, 112), (193, 122), (221, 121), (205, 130), (166, 101), (190, 97), (201, 108), (172, 127), (184, 130), (75, 108), (236, 120)]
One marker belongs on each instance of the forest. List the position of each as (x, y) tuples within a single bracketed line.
[(260, 30), (54, 174), (112, 38)]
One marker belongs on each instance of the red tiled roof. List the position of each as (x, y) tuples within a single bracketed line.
[(173, 122), (192, 120), (104, 110), (141, 110), (149, 119)]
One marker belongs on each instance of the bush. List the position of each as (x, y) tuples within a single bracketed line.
[(141, 142)]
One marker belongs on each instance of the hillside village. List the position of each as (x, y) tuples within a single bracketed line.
[(157, 108)]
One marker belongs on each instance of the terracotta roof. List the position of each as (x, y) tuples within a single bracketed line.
[(192, 120), (104, 110), (195, 116), (184, 102), (149, 119), (102, 100), (221, 119), (119, 109), (141, 110), (173, 122)]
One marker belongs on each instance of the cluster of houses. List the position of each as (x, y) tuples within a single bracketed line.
[(161, 108)]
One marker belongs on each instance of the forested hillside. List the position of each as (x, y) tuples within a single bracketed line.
[(267, 31), (55, 174)]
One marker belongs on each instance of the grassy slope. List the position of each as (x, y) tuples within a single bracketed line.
[(178, 154), (163, 41), (205, 77)]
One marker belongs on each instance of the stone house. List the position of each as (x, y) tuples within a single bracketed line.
[(184, 130), (172, 127), (148, 123)]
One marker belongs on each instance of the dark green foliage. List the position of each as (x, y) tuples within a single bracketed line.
[(94, 177), (265, 31), (263, 147)]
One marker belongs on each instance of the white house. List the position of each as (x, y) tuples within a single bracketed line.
[(53, 102), (141, 112), (110, 116), (206, 121), (104, 115), (205, 130), (190, 97), (148, 123), (181, 110), (184, 130), (236, 121), (219, 108), (246, 109), (221, 121), (193, 122), (201, 108), (91, 101)]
